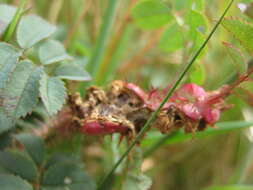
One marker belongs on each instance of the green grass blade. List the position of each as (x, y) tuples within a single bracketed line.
[(100, 46), (12, 26), (153, 116), (180, 136), (111, 67)]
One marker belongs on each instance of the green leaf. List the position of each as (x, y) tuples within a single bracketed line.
[(238, 59), (53, 93), (7, 13), (6, 122), (33, 29), (22, 90), (71, 71), (186, 4), (8, 62), (52, 51), (172, 39), (198, 74), (242, 31), (34, 145), (151, 14), (67, 175), (11, 182), (9, 59), (18, 163), (197, 23), (230, 187)]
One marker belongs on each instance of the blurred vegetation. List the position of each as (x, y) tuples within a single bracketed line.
[(149, 46)]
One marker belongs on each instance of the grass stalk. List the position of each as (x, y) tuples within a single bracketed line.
[(96, 59), (109, 63), (12, 26), (54, 11), (154, 114)]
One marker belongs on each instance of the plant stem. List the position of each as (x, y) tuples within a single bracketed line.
[(95, 62), (109, 64), (55, 11), (154, 114), (11, 28)]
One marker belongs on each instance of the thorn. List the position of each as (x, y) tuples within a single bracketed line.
[(120, 139)]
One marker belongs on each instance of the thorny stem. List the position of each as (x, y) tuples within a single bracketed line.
[(227, 91), (154, 114)]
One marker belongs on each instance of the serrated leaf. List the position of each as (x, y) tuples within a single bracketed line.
[(52, 51), (237, 58), (230, 187), (241, 30), (6, 122), (53, 93), (71, 71), (7, 13), (21, 93), (151, 14), (33, 29), (18, 163), (34, 145), (67, 175), (11, 182), (172, 39), (9, 59), (8, 63)]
